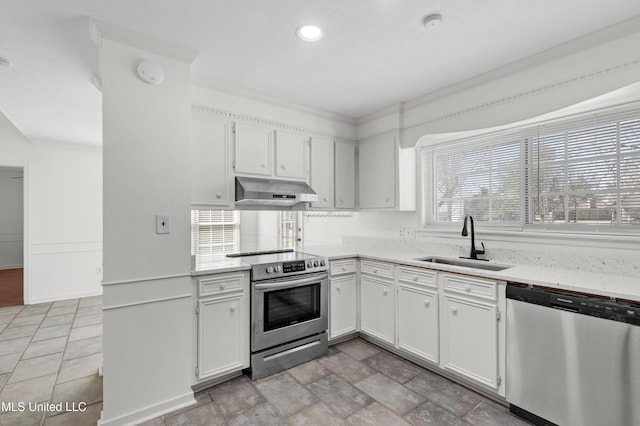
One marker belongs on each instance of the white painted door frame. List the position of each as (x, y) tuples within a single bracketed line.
[(26, 225)]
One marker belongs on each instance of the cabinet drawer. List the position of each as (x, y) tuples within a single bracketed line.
[(347, 266), (484, 289), (417, 276), (212, 285), (376, 268)]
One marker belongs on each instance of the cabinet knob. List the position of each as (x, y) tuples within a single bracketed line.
[(344, 268), (222, 287), (416, 278), (385, 292), (426, 302), (341, 200), (325, 199), (283, 167), (338, 288), (386, 200), (467, 288), (263, 166), (375, 271), (219, 195), (454, 310), (232, 308)]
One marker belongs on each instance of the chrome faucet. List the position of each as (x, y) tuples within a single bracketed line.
[(474, 252)]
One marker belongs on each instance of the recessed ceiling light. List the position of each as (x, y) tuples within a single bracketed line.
[(432, 21), (309, 33), (4, 62)]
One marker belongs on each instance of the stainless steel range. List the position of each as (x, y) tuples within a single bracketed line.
[(289, 309)]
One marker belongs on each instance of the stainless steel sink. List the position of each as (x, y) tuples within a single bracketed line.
[(467, 263)]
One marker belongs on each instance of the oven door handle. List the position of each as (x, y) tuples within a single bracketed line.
[(291, 283)]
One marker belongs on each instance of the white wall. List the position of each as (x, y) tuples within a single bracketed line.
[(11, 218), (259, 230), (381, 224), (63, 216), (148, 313)]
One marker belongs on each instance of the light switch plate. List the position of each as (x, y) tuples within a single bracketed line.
[(163, 224)]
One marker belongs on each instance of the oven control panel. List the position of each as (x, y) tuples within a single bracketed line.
[(292, 267), (289, 268)]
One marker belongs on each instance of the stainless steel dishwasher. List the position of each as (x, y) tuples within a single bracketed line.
[(572, 359)]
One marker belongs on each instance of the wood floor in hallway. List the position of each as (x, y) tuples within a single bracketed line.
[(11, 287)]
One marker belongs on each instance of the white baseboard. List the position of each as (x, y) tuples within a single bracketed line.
[(150, 412), (65, 297), (11, 266)]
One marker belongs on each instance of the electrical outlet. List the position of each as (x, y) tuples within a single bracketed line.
[(401, 235), (163, 224), (410, 233)]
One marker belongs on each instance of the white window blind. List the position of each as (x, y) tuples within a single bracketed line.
[(580, 171), (482, 179), (214, 233)]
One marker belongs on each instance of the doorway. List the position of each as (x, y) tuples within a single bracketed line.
[(11, 236)]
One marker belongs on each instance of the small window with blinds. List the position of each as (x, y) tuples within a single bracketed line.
[(288, 229), (214, 233), (581, 171)]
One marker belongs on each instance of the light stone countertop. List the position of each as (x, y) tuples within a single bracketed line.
[(220, 266), (608, 285)]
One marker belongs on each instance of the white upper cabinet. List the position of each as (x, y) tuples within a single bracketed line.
[(322, 172), (263, 151), (291, 155), (345, 176), (254, 149), (387, 178), (210, 144)]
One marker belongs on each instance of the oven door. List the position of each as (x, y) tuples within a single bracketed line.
[(287, 309)]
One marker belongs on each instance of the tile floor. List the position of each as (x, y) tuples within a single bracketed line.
[(356, 384), (51, 352)]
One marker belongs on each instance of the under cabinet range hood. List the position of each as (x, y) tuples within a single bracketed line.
[(264, 194)]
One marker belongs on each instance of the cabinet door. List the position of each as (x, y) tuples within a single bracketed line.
[(345, 176), (418, 322), (254, 149), (291, 155), (342, 306), (222, 335), (470, 339), (376, 308), (210, 142), (322, 172), (377, 173)]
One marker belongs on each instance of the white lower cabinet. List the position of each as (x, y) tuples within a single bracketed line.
[(343, 306), (377, 308), (470, 329), (418, 321), (222, 312), (343, 298)]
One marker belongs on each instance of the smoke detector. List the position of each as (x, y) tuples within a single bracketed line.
[(432, 21)]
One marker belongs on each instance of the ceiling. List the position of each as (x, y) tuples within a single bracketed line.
[(375, 53)]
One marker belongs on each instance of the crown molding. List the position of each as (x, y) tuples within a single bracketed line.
[(101, 30), (69, 146), (217, 85), (522, 95), (279, 125), (606, 35)]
